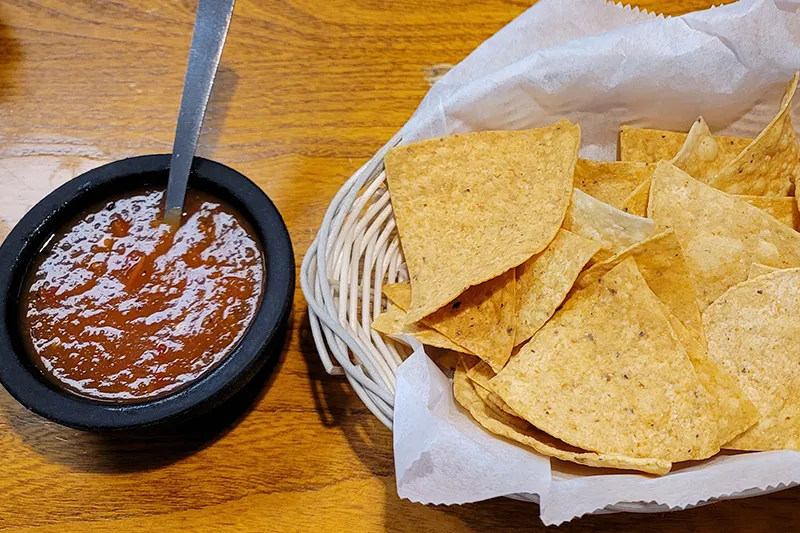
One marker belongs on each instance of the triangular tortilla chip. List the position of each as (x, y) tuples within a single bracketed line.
[(651, 146), (782, 208), (777, 431), (720, 235), (516, 429), (470, 207), (700, 155), (614, 229), (610, 181), (480, 374), (732, 410), (481, 321), (754, 334), (757, 269), (545, 279), (608, 374), (771, 163), (399, 294), (662, 265), (636, 202), (493, 400), (393, 322)]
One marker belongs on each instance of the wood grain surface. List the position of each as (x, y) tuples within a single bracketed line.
[(307, 91)]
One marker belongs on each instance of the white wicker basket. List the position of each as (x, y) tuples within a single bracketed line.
[(358, 250)]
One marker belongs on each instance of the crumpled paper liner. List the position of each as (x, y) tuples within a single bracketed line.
[(600, 65)]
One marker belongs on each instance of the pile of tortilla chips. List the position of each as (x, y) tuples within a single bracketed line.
[(629, 314)]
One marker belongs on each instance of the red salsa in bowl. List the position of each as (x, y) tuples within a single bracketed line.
[(122, 307)]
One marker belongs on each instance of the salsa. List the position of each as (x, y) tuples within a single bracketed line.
[(121, 306)]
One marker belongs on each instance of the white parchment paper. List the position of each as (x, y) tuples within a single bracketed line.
[(600, 65), (434, 439)]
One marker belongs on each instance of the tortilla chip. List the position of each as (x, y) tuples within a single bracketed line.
[(399, 294), (778, 431), (754, 334), (610, 181), (771, 163), (651, 146), (720, 235), (481, 321), (662, 265), (393, 322), (494, 401), (518, 430), (783, 208), (757, 269), (459, 222), (636, 202), (700, 156), (614, 229), (733, 412), (608, 374), (481, 374), (545, 279)]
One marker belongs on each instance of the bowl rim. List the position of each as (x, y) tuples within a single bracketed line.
[(25, 240)]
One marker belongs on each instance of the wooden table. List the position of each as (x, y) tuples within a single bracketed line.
[(307, 91)]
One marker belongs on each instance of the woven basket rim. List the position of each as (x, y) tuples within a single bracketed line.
[(358, 236)]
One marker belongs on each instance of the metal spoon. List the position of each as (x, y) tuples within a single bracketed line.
[(210, 29)]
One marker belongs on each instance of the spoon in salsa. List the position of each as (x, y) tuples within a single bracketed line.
[(210, 29), (111, 318)]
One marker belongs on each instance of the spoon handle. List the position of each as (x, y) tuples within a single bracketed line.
[(210, 29)]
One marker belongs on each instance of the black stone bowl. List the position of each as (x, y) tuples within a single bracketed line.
[(25, 382)]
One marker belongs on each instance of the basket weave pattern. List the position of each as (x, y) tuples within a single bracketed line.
[(356, 251)]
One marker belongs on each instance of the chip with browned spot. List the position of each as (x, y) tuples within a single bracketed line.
[(393, 322), (481, 321), (502, 423), (608, 374), (459, 222)]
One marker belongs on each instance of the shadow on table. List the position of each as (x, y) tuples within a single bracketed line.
[(149, 448), (338, 406), (219, 105)]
